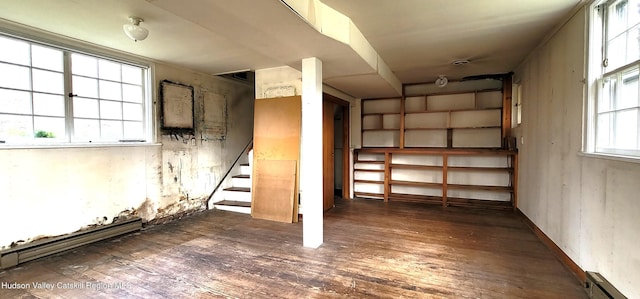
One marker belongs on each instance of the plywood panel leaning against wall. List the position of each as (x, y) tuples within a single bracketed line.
[(274, 199), (276, 137)]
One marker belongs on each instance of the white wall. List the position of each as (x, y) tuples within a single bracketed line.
[(588, 206), (277, 82), (49, 192), (56, 191)]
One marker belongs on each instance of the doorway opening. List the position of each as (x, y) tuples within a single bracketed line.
[(335, 141)]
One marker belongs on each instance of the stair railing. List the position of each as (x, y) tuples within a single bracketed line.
[(244, 151)]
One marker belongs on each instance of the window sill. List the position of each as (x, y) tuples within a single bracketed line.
[(611, 157), (5, 146)]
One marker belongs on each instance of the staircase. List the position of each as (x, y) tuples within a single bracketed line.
[(237, 198)]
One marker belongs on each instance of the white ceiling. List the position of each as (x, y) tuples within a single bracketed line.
[(417, 39)]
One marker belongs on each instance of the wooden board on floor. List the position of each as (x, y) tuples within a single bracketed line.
[(274, 200)]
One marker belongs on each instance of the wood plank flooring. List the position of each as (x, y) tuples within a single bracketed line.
[(371, 250)]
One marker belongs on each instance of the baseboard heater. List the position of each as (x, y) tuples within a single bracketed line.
[(599, 288), (37, 249)]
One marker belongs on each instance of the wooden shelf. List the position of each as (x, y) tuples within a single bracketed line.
[(415, 184), (413, 166), (451, 201), (368, 182), (434, 129), (368, 170), (369, 162), (367, 194), (381, 113), (451, 110), (480, 187), (441, 128), (426, 129), (440, 151), (415, 198), (427, 120), (507, 195), (365, 130), (479, 203), (480, 127), (480, 169)]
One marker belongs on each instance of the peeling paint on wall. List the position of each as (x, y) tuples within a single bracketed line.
[(185, 206), (114, 183)]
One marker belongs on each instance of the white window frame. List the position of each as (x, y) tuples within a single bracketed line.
[(597, 72), (68, 47)]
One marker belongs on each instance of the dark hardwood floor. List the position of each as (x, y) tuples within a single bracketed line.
[(371, 249)]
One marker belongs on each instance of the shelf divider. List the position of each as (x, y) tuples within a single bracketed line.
[(387, 176), (402, 115), (445, 163)]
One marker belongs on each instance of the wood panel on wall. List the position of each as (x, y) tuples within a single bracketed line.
[(276, 136)]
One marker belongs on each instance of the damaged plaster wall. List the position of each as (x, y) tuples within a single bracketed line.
[(54, 191), (192, 165), (47, 192)]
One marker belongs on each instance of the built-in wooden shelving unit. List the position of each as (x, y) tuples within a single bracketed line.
[(444, 147), (459, 120), (467, 177)]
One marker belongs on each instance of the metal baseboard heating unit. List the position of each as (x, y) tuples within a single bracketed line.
[(37, 249), (599, 288)]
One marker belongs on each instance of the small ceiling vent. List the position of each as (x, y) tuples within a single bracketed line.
[(460, 62)]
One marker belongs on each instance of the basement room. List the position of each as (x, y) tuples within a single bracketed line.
[(319, 149)]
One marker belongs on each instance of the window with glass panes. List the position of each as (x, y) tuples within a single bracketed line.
[(617, 109), (53, 95)]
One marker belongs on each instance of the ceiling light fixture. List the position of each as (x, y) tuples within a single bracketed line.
[(134, 31), (460, 62), (441, 81)]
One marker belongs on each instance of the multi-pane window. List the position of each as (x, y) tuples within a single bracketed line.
[(32, 100), (616, 108), (53, 95), (108, 99)]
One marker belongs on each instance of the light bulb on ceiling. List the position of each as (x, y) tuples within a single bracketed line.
[(441, 81), (134, 31)]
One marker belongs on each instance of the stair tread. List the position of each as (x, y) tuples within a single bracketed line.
[(242, 176), (241, 189), (233, 203)]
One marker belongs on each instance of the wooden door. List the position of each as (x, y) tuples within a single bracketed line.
[(327, 153)]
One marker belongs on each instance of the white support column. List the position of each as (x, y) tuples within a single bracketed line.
[(311, 171)]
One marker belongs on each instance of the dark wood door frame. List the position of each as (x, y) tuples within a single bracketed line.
[(346, 148), (328, 154)]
